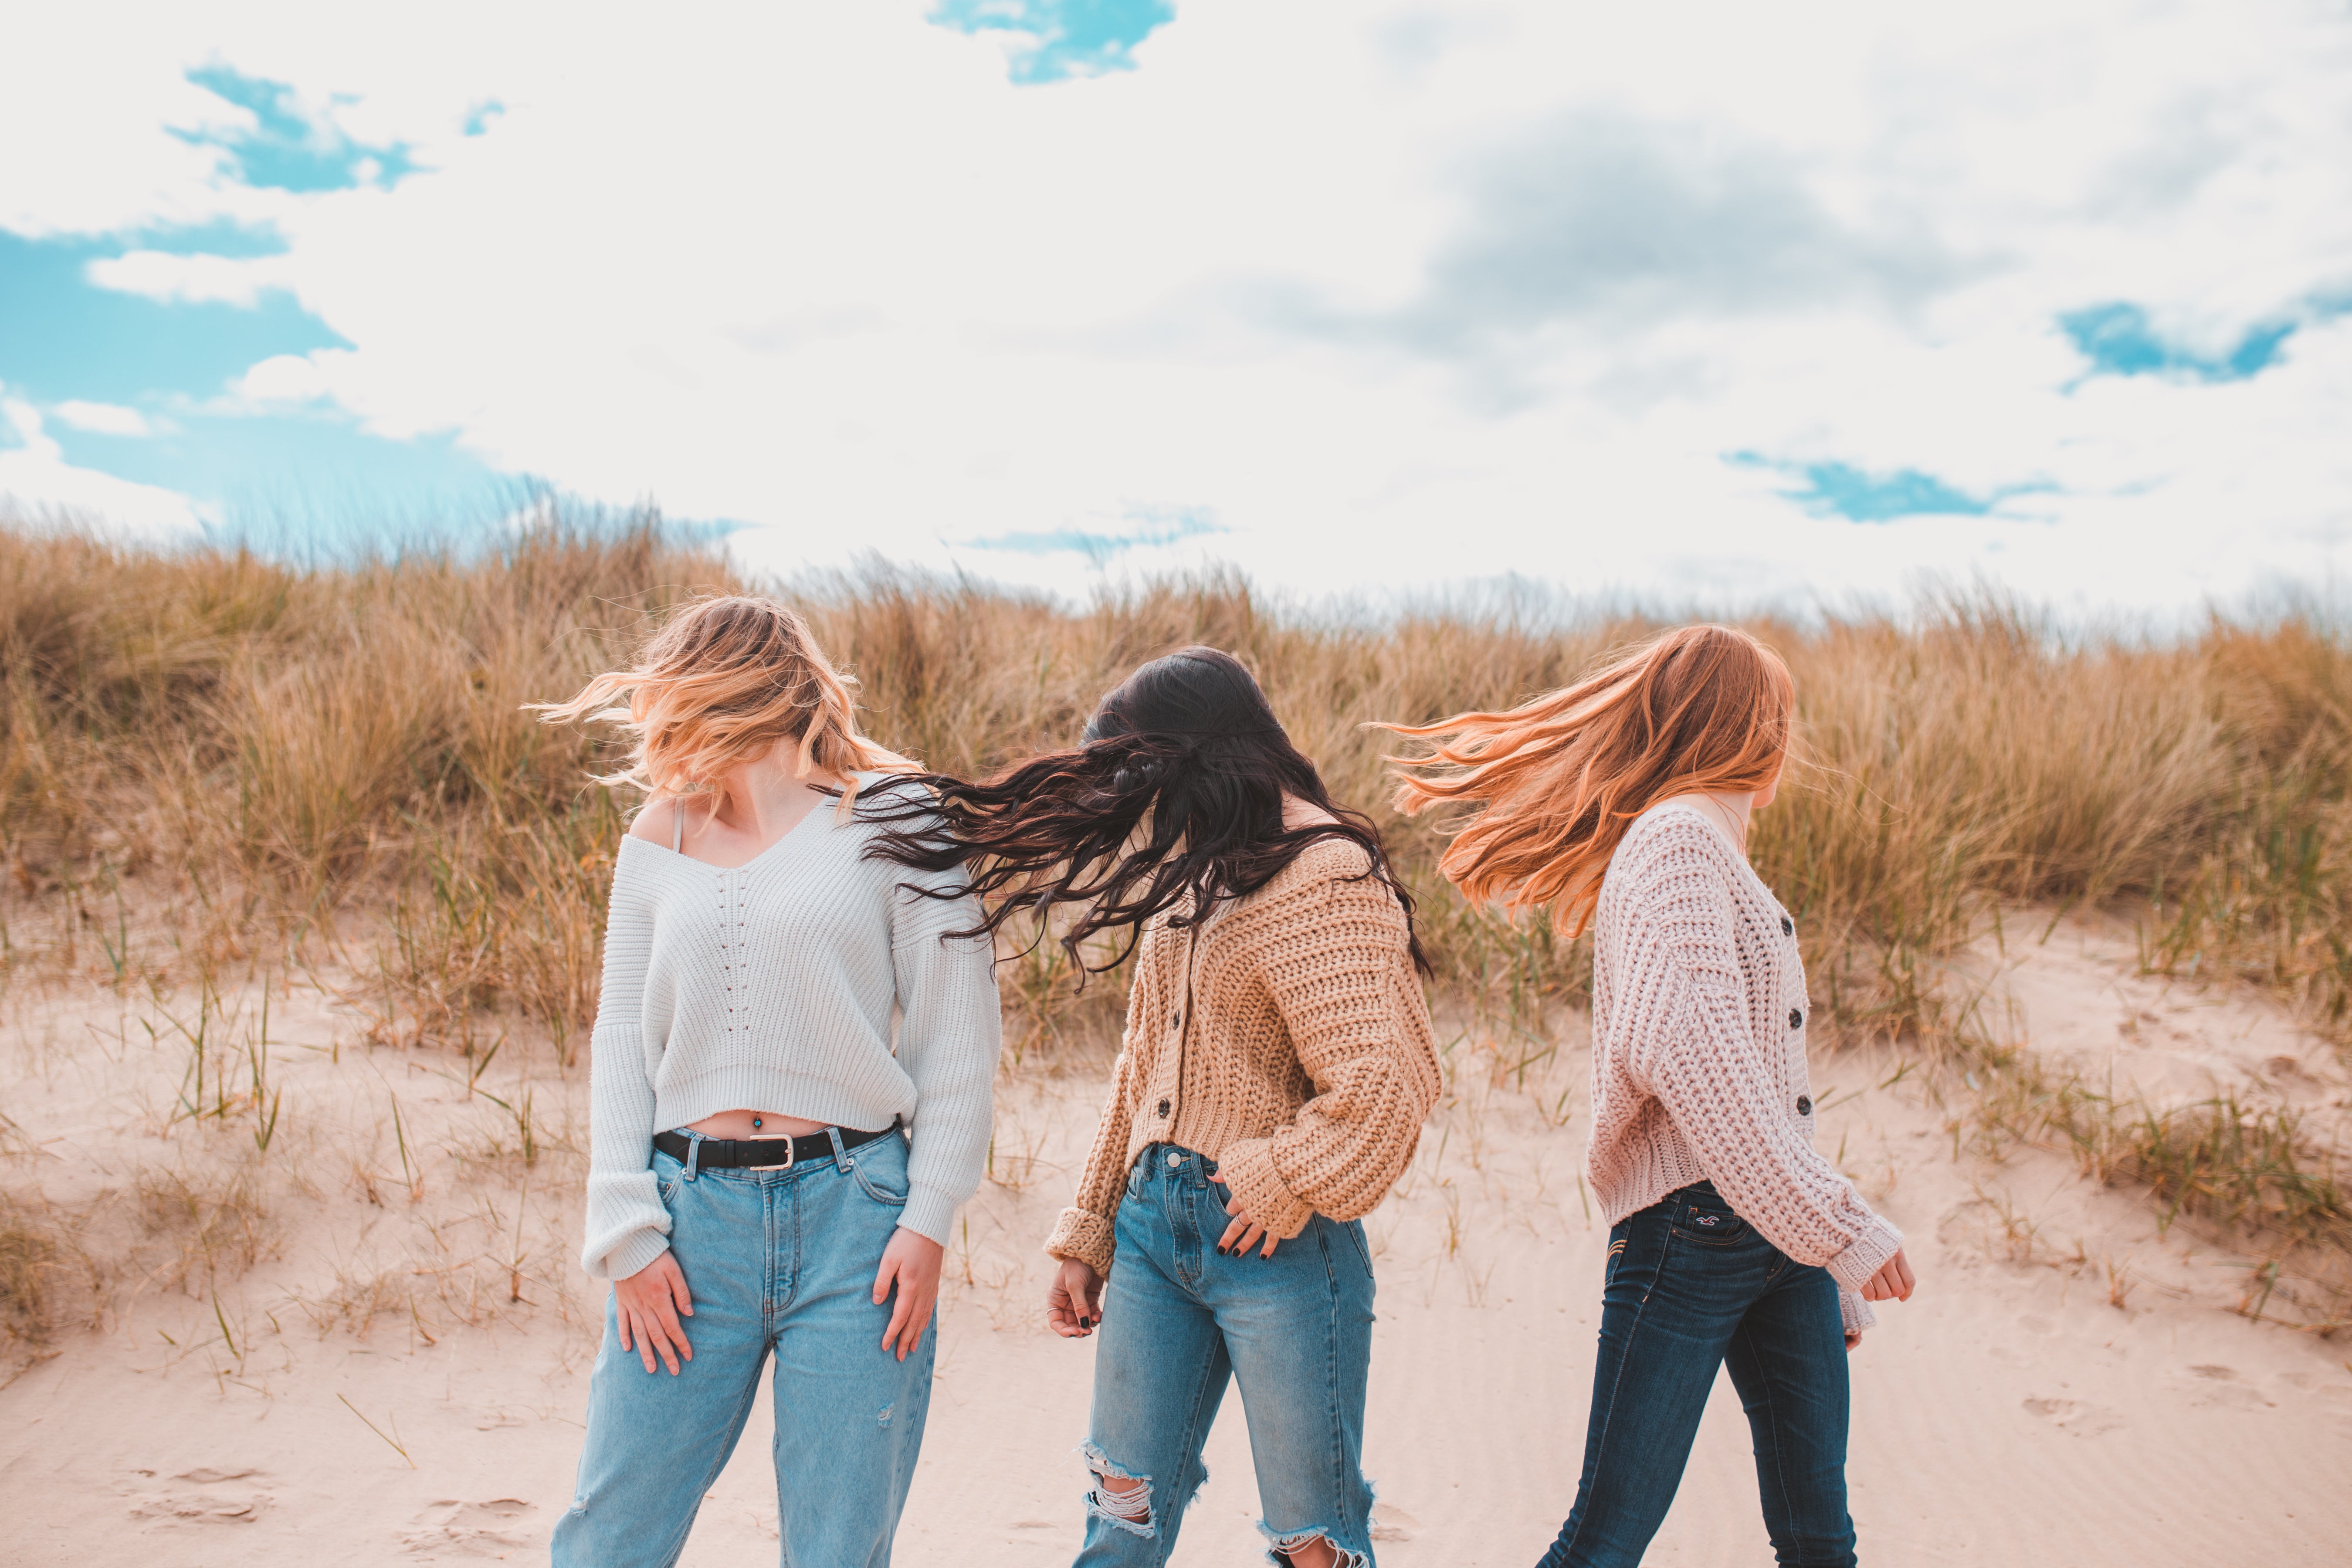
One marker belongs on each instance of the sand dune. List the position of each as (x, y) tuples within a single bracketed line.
[(371, 1392)]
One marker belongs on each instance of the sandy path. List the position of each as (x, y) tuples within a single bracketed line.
[(2009, 1413)]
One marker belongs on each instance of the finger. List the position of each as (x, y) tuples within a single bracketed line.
[(1233, 1206), (1902, 1266), (676, 1283), (676, 1332), (891, 1335), (644, 1343), (1268, 1251), (910, 1334), (1852, 1340), (1249, 1237), (621, 1319), (1230, 1240), (882, 1278), (665, 1342)]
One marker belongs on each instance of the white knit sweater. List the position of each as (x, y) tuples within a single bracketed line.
[(772, 986), (1698, 1052)]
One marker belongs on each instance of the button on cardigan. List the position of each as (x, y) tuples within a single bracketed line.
[(1698, 1052), (772, 986), (1302, 1063)]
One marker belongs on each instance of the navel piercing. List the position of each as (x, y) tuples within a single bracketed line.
[(757, 1124)]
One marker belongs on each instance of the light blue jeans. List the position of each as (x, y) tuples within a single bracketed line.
[(782, 1261), (1294, 1329)]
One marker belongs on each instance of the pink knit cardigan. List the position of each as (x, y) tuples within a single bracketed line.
[(1698, 1052)]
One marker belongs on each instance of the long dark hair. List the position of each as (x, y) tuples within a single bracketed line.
[(1174, 796)]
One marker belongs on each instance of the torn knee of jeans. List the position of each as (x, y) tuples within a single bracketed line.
[(1284, 1547), (1118, 1496)]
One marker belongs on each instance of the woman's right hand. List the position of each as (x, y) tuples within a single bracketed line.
[(1074, 1301), (648, 1304), (1893, 1282)]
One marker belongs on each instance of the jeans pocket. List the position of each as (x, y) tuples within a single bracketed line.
[(1708, 1221), (874, 1189)]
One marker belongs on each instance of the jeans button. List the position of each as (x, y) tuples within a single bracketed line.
[(1175, 1159)]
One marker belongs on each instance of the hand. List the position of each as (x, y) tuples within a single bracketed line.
[(1852, 1338), (1074, 1300), (1893, 1282), (913, 1262), (1243, 1233), (647, 1304)]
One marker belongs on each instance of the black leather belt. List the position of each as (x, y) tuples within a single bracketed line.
[(763, 1154)]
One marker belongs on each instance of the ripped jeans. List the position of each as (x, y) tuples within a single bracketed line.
[(778, 1262), (1294, 1329)]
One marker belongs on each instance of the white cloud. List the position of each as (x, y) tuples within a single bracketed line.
[(1396, 293), (102, 419), (38, 487), (281, 378), (193, 280)]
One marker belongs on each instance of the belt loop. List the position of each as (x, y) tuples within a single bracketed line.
[(693, 1153), (842, 1159)]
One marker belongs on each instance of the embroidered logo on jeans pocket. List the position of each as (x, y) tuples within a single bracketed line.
[(1710, 1221)]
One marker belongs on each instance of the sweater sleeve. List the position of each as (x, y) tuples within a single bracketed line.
[(951, 1032), (1087, 1230), (1354, 1010), (627, 1227), (1696, 1052)]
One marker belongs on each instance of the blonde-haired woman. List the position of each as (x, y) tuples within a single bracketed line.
[(766, 1161), (1624, 802)]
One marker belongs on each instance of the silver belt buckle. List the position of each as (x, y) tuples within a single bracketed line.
[(787, 1142)]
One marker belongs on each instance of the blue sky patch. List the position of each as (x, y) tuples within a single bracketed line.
[(1145, 527), (288, 147), (1840, 490), (1062, 38), (2118, 338), (62, 336), (317, 478)]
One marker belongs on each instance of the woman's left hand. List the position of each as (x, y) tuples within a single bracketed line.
[(1243, 1233), (911, 1261)]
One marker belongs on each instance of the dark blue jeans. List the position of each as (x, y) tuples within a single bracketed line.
[(1691, 1287)]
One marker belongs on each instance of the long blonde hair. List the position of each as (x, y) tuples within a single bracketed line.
[(1559, 780), (720, 683)]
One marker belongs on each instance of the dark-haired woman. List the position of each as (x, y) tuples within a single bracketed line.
[(1273, 1077)]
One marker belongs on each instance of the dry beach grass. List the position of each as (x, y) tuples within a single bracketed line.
[(299, 928)]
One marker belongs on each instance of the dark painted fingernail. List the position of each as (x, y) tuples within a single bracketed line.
[(1221, 1252)]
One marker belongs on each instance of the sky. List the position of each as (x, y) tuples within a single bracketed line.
[(1712, 303)]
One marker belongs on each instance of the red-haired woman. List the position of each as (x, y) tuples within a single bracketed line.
[(763, 1161), (1624, 802)]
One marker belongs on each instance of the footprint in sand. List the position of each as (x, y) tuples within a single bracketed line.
[(200, 1496), (2074, 1415), (469, 1529), (2231, 1395)]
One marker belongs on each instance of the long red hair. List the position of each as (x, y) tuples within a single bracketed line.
[(1557, 780)]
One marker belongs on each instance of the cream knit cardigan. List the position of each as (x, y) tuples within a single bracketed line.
[(1287, 1040), (771, 986), (1698, 1052)]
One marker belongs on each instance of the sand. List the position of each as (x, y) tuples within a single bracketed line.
[(2068, 1386)]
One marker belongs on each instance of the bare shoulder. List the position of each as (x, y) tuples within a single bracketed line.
[(653, 820)]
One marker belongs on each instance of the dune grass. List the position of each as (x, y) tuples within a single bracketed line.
[(211, 761)]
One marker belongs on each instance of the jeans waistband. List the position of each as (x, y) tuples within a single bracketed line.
[(1177, 1164)]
